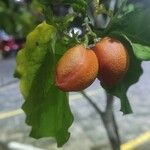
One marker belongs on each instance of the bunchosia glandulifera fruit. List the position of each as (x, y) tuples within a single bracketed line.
[(113, 60), (77, 69)]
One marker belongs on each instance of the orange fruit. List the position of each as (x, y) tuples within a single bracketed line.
[(77, 69), (113, 60)]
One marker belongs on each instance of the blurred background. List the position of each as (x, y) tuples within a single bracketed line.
[(17, 19)]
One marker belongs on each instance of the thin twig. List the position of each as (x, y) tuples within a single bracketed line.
[(91, 102), (8, 83)]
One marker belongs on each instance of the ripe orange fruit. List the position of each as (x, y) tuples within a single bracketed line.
[(113, 60), (77, 69)]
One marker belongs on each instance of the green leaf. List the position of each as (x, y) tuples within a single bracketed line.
[(141, 52), (135, 25), (46, 107), (132, 76)]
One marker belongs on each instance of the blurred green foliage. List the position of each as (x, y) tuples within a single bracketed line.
[(19, 18)]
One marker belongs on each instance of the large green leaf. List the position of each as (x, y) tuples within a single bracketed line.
[(131, 77), (135, 25), (46, 107)]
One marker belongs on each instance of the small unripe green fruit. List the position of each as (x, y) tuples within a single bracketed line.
[(113, 60), (77, 69)]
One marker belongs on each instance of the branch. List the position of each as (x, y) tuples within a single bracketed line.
[(92, 103), (109, 103), (110, 123), (108, 119)]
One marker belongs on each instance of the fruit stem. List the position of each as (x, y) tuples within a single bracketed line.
[(108, 119)]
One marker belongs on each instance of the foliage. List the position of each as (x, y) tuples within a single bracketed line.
[(47, 108), (129, 28), (17, 19)]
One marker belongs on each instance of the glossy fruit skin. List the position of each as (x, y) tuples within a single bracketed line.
[(113, 60), (77, 69)]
